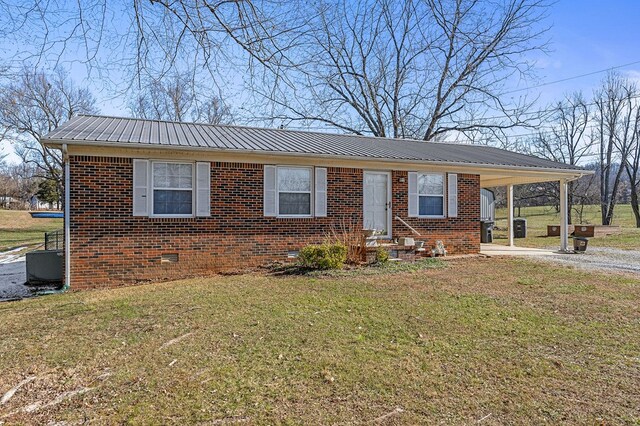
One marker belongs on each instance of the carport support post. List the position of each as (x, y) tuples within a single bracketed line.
[(510, 213), (564, 216)]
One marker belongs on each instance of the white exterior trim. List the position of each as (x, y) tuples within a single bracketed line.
[(389, 210), (444, 196), (151, 189), (125, 150), (310, 192)]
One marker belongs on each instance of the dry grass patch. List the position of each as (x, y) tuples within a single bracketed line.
[(497, 340)]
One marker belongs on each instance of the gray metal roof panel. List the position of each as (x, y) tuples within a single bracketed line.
[(97, 130)]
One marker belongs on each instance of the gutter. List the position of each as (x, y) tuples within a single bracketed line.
[(62, 142), (67, 231), (579, 176)]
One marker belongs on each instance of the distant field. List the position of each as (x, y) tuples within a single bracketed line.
[(18, 228), (539, 217)]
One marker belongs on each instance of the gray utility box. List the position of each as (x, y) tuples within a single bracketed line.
[(44, 266), (486, 231), (519, 228)]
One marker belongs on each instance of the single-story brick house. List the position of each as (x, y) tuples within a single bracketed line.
[(154, 200)]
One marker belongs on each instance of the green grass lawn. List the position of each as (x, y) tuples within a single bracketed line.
[(539, 217), (499, 340), (18, 229)]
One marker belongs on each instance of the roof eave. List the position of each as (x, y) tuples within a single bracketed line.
[(57, 143)]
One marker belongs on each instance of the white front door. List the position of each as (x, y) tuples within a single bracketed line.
[(377, 202)]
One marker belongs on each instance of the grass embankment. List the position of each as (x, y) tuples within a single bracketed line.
[(539, 217), (499, 340), (19, 229)]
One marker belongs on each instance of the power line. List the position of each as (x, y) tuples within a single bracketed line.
[(562, 80), (538, 112)]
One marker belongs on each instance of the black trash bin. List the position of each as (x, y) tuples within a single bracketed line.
[(486, 231), (519, 227), (580, 244)]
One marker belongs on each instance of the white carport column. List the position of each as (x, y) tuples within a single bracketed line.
[(564, 216), (510, 213)]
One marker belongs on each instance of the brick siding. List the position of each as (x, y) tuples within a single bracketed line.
[(110, 247), (461, 234)]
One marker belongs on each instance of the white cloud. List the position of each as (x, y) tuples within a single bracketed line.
[(633, 75)]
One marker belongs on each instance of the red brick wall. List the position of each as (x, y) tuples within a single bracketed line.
[(110, 247), (461, 235)]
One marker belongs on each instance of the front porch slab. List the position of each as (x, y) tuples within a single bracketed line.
[(498, 250)]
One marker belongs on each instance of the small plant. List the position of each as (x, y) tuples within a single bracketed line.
[(382, 256), (323, 256)]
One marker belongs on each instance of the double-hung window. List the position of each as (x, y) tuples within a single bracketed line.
[(431, 194), (172, 189), (294, 188)]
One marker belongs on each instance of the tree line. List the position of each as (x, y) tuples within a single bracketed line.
[(600, 133)]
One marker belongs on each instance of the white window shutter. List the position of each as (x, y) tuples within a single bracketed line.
[(321, 192), (203, 189), (140, 187), (413, 194), (269, 197), (452, 195)]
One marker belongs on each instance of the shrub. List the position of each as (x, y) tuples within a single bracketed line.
[(323, 256), (382, 255)]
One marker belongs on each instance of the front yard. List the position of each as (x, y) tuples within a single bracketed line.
[(495, 341)]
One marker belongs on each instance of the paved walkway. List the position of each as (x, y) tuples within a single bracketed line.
[(498, 250), (13, 275)]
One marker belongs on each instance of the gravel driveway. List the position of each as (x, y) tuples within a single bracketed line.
[(12, 278), (606, 259)]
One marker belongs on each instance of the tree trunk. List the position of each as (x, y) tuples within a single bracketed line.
[(569, 202), (634, 205)]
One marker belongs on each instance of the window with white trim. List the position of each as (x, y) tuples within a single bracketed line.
[(431, 194), (172, 189), (294, 187)]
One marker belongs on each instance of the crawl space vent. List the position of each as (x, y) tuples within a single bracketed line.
[(292, 254), (169, 258)]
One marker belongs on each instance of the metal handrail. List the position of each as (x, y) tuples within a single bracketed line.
[(408, 226)]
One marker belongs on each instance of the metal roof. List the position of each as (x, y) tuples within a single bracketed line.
[(118, 131)]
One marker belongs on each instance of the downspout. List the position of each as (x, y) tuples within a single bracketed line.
[(67, 231)]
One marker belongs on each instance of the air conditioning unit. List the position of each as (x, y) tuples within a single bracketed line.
[(44, 266)]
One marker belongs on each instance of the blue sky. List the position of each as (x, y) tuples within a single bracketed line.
[(586, 36)]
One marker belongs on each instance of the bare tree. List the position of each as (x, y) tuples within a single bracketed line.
[(419, 69), (17, 185), (614, 134), (632, 165), (177, 99), (568, 141), (34, 105), (145, 38)]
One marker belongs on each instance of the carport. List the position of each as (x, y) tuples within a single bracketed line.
[(539, 175)]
